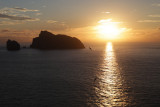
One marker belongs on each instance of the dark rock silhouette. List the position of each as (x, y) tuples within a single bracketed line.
[(13, 45), (49, 41)]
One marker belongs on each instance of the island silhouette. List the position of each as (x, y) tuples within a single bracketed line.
[(12, 45), (49, 41)]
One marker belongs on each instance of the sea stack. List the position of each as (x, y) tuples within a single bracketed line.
[(49, 41), (13, 45)]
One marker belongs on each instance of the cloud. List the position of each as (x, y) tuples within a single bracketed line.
[(23, 9), (9, 22), (7, 10), (57, 25), (157, 5), (106, 12), (16, 10), (51, 21), (38, 14), (149, 21), (4, 30), (13, 17), (157, 15)]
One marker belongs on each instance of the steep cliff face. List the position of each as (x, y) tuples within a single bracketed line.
[(13, 45), (49, 41)]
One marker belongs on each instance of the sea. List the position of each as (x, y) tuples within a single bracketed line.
[(108, 75)]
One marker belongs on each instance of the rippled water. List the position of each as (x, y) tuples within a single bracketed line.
[(110, 88), (116, 74)]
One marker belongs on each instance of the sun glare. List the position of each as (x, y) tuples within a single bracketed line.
[(108, 29)]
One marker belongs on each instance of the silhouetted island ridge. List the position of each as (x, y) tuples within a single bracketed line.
[(49, 41), (13, 45)]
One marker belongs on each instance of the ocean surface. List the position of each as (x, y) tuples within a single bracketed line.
[(110, 75)]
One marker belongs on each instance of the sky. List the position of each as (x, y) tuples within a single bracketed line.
[(24, 19)]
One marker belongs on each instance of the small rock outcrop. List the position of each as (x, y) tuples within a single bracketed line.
[(49, 41), (13, 45)]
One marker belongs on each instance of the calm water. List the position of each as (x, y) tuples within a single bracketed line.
[(110, 75)]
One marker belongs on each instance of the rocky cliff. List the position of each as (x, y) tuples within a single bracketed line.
[(49, 41)]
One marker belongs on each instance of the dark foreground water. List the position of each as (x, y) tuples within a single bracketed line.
[(111, 75)]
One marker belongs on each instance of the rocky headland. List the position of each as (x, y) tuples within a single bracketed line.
[(49, 41)]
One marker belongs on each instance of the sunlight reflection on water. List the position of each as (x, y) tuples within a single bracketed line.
[(110, 91)]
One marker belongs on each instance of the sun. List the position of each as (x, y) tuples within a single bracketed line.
[(108, 29)]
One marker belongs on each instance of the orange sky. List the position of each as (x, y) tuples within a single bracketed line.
[(23, 20)]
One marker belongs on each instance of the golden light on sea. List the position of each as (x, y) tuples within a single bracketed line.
[(110, 91)]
